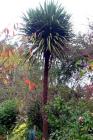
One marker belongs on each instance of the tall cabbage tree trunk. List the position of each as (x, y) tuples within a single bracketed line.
[(45, 94)]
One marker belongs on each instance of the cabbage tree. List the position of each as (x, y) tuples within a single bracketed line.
[(49, 30)]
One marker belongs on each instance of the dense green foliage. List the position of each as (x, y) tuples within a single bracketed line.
[(8, 114), (70, 120), (35, 114)]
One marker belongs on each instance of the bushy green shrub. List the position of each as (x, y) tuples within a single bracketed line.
[(35, 117), (35, 114), (70, 120), (8, 114)]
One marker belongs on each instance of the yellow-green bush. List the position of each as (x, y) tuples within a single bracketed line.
[(19, 132)]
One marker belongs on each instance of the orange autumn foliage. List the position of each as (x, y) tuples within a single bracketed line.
[(27, 82), (7, 53), (32, 86)]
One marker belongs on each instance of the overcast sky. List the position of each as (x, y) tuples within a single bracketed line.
[(11, 11)]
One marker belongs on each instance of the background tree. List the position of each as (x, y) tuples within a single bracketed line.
[(49, 30)]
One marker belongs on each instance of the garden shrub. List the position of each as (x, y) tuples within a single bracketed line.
[(8, 114), (35, 115), (70, 120), (19, 132)]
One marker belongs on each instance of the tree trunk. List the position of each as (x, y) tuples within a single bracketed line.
[(45, 94)]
